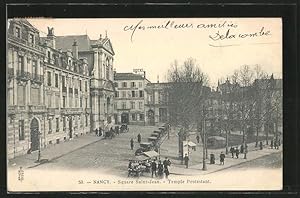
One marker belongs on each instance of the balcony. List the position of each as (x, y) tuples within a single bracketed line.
[(52, 110), (71, 111), (37, 108), (37, 78), (22, 75), (11, 110), (10, 73)]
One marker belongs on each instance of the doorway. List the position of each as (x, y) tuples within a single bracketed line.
[(125, 118), (34, 134), (70, 128)]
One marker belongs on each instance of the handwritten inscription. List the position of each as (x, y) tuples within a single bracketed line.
[(225, 30), (171, 24), (228, 35)]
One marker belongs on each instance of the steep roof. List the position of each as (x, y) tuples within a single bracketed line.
[(66, 42), (128, 76)]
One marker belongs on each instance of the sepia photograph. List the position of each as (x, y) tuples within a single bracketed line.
[(144, 104)]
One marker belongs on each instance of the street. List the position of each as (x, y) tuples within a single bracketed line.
[(110, 156)]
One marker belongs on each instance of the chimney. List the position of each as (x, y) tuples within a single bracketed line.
[(75, 50), (144, 74), (51, 37)]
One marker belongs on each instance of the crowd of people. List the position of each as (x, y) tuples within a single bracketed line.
[(155, 167)]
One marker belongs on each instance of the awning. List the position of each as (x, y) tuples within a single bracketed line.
[(157, 131), (151, 154), (190, 143), (139, 158), (145, 143), (154, 134)]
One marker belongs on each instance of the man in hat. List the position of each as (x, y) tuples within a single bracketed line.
[(186, 161), (222, 158)]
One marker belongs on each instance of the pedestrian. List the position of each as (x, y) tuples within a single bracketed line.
[(153, 168), (237, 152), (117, 130), (139, 137), (100, 132), (186, 161), (260, 145), (222, 158), (232, 151), (131, 144), (242, 148), (96, 131), (166, 162), (160, 168), (198, 138), (272, 143), (276, 145)]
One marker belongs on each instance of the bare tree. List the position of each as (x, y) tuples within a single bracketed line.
[(186, 93)]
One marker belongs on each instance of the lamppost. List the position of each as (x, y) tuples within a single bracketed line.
[(39, 153), (226, 128), (204, 141)]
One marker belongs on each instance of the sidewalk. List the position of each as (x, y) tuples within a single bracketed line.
[(252, 154), (53, 151)]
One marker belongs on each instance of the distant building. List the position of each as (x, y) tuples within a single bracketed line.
[(99, 55), (129, 104), (156, 103)]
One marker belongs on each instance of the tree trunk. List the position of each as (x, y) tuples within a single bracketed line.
[(226, 151), (256, 138)]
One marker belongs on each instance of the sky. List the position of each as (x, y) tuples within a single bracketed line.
[(219, 45)]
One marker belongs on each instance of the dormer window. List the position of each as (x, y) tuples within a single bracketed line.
[(18, 32), (31, 38)]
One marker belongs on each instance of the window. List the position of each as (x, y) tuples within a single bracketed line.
[(123, 105), (133, 116), (116, 94), (140, 105), (21, 130), (79, 85), (64, 123), (21, 63), (133, 94), (142, 117), (80, 102), (132, 84), (86, 85), (56, 80), (124, 84), (132, 105), (57, 124), (116, 106), (116, 84), (107, 69), (63, 81), (86, 120), (31, 38), (86, 103), (123, 94), (34, 68), (49, 78), (50, 126), (141, 93), (18, 32), (64, 101), (49, 56), (140, 84)]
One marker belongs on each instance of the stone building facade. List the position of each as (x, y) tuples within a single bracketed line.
[(129, 104), (156, 103), (58, 88), (99, 55)]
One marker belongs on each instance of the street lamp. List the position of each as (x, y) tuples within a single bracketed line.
[(204, 141), (226, 120)]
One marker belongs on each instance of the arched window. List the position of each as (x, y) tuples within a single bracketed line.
[(107, 69)]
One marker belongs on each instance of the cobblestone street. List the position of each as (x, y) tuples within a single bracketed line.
[(110, 156)]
